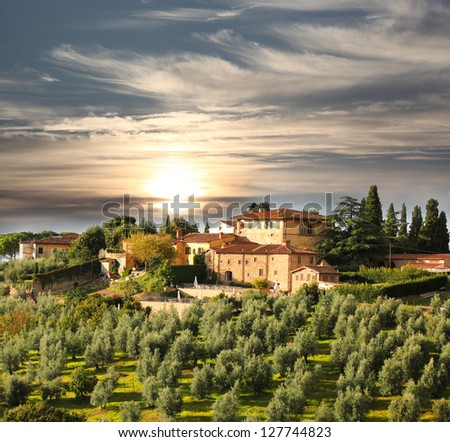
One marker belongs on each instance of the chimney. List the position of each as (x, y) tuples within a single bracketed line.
[(286, 242), (179, 234)]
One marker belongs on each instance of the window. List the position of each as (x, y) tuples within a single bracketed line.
[(239, 261), (275, 272), (299, 259), (301, 277), (188, 250), (308, 277), (229, 262), (248, 274), (40, 250), (254, 259), (311, 259), (306, 229), (296, 277), (261, 272), (247, 262)]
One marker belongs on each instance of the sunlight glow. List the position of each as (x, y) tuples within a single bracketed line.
[(175, 178)]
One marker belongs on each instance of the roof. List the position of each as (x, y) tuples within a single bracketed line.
[(263, 249), (279, 214), (205, 237), (419, 256), (64, 239), (230, 223), (426, 265), (318, 269)]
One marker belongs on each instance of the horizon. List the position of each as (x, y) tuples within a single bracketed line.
[(157, 98)]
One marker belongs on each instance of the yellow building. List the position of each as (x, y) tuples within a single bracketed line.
[(323, 274), (44, 247), (297, 228), (244, 262), (194, 244)]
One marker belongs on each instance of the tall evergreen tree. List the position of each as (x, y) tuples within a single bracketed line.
[(373, 207), (207, 227), (415, 226), (390, 226), (403, 228), (430, 228), (442, 236), (167, 226)]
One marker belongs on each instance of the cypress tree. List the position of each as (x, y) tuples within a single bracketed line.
[(416, 225), (403, 222), (390, 226), (373, 207), (167, 228), (442, 236), (429, 229)]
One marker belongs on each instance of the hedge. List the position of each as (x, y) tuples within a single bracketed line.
[(187, 274), (75, 270), (414, 287), (369, 292)]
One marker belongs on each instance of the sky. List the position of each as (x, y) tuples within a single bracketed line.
[(224, 99)]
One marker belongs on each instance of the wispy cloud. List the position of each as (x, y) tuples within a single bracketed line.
[(48, 78), (158, 17)]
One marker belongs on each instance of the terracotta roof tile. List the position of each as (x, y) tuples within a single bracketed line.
[(206, 237), (64, 239), (318, 269), (263, 249), (419, 256), (279, 214), (426, 265)]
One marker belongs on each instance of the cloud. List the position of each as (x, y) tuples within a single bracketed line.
[(142, 18), (48, 79)]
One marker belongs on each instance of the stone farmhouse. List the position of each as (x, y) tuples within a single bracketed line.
[(44, 247), (324, 274), (243, 263), (297, 228)]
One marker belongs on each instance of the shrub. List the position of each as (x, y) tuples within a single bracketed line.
[(169, 401), (441, 411), (82, 383), (405, 409), (225, 409), (130, 411), (41, 412), (16, 391), (150, 391), (260, 284), (202, 382)]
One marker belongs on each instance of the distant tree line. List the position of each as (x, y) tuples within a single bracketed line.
[(359, 235)]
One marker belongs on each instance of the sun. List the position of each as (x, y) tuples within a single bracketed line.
[(175, 179)]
